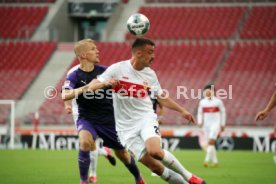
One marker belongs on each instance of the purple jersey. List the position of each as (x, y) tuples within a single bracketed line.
[(95, 107)]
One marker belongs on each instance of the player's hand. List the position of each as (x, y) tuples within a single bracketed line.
[(261, 115), (189, 117), (68, 109), (200, 125), (222, 128), (112, 83)]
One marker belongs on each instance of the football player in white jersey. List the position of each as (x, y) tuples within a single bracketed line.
[(212, 117), (136, 122), (95, 113)]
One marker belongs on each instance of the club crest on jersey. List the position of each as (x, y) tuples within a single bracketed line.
[(146, 84)]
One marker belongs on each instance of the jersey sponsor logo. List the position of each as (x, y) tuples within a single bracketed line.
[(131, 89), (84, 82), (210, 109)]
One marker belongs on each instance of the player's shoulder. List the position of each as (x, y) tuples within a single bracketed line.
[(217, 99), (123, 63), (203, 100), (120, 64), (72, 73), (150, 70), (101, 67), (73, 69)]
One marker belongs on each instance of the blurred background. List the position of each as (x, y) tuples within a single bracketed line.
[(230, 43)]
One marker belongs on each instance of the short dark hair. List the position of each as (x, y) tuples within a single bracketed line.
[(209, 86), (141, 42)]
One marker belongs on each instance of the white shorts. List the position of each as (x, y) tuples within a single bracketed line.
[(211, 132), (134, 140)]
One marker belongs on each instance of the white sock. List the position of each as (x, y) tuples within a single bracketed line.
[(102, 151), (93, 163), (208, 153), (214, 154), (172, 177), (172, 163)]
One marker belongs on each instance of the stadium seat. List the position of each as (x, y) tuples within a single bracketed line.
[(192, 22), (250, 70), (260, 23), (20, 22)]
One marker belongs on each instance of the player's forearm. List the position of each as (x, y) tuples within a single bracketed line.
[(68, 103), (199, 118), (73, 93), (161, 110), (171, 104), (96, 84), (272, 103)]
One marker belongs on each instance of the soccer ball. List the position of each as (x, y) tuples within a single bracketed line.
[(138, 24)]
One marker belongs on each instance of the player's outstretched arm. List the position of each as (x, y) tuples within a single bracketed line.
[(69, 94), (96, 84), (171, 104), (271, 104)]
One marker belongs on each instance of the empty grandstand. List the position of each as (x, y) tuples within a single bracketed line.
[(227, 42)]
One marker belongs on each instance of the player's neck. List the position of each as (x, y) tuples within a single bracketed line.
[(86, 66), (210, 97), (135, 64)]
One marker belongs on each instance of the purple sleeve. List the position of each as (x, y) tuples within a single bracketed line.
[(70, 82)]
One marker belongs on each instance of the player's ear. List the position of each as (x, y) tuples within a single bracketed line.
[(138, 52), (82, 55)]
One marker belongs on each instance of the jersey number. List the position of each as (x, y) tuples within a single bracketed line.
[(157, 131)]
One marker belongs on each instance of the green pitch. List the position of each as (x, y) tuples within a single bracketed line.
[(58, 167)]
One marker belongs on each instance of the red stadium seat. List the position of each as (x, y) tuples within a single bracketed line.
[(260, 23), (250, 70), (192, 22), (20, 22)]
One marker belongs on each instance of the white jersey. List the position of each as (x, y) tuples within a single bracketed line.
[(211, 112), (131, 100)]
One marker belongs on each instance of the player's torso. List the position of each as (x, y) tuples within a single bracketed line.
[(132, 98), (211, 111), (97, 106)]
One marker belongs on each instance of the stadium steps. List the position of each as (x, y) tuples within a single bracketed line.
[(47, 30), (51, 73), (242, 23)]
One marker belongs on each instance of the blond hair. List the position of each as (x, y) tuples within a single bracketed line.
[(81, 46)]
